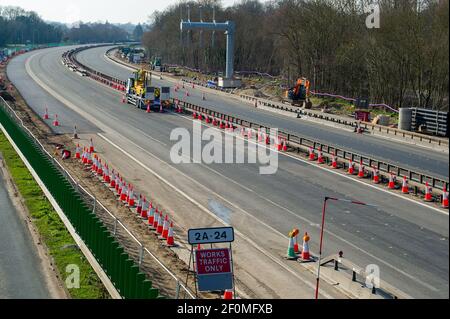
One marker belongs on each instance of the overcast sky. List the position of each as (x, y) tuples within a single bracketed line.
[(69, 11)]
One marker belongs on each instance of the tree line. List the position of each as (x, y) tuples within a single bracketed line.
[(18, 26), (402, 63)]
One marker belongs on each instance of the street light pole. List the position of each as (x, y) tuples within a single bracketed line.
[(322, 230), (320, 246)]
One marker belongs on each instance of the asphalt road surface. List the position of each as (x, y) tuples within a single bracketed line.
[(408, 241), (410, 156), (20, 271)]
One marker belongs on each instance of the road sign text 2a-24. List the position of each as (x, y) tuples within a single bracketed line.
[(211, 235)]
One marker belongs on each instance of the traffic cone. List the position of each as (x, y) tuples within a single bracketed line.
[(444, 197), (361, 170), (285, 148), (391, 184), (320, 159), (77, 152), (290, 251), (56, 122), (208, 120), (131, 200), (91, 146), (139, 206), (312, 157), (376, 176), (334, 164), (165, 231), (160, 227), (428, 195), (267, 139), (46, 117), (351, 169), (156, 217), (161, 108), (305, 251), (194, 115), (151, 215), (222, 125), (170, 241), (295, 233), (228, 295), (405, 188), (144, 211), (148, 108), (278, 145)]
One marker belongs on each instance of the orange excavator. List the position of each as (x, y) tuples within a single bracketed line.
[(299, 93)]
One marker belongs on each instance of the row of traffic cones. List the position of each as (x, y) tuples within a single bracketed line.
[(362, 173), (293, 251), (126, 193)]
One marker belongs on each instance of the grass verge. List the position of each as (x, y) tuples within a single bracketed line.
[(54, 234)]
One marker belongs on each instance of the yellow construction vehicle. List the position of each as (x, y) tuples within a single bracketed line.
[(299, 93), (139, 91)]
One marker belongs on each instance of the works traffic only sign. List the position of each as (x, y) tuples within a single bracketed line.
[(213, 261), (214, 269), (210, 235)]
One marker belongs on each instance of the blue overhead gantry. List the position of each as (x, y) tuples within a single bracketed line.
[(229, 28)]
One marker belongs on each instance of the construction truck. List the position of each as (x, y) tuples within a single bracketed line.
[(298, 94), (140, 93)]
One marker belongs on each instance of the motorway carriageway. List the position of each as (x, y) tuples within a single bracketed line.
[(405, 155), (408, 241)]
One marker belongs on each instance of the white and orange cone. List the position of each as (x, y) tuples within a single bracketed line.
[(320, 159), (391, 184), (428, 196), (165, 232), (444, 197), (351, 168), (334, 163), (311, 154), (46, 116), (361, 170), (376, 176), (405, 188), (56, 122), (305, 251), (170, 241)]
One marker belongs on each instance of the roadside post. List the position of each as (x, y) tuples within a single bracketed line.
[(213, 267)]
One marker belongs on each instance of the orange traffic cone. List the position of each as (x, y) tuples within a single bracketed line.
[(170, 241), (361, 170), (56, 122), (444, 197), (148, 108), (165, 231), (91, 146), (144, 210), (156, 218), (46, 117), (285, 148), (160, 227), (77, 152), (391, 184), (311, 154), (295, 233), (428, 196), (320, 159), (305, 251), (405, 188), (151, 215), (351, 168), (376, 176), (334, 163), (228, 295)]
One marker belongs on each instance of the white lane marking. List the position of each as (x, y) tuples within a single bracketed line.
[(203, 208), (95, 121), (332, 171)]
